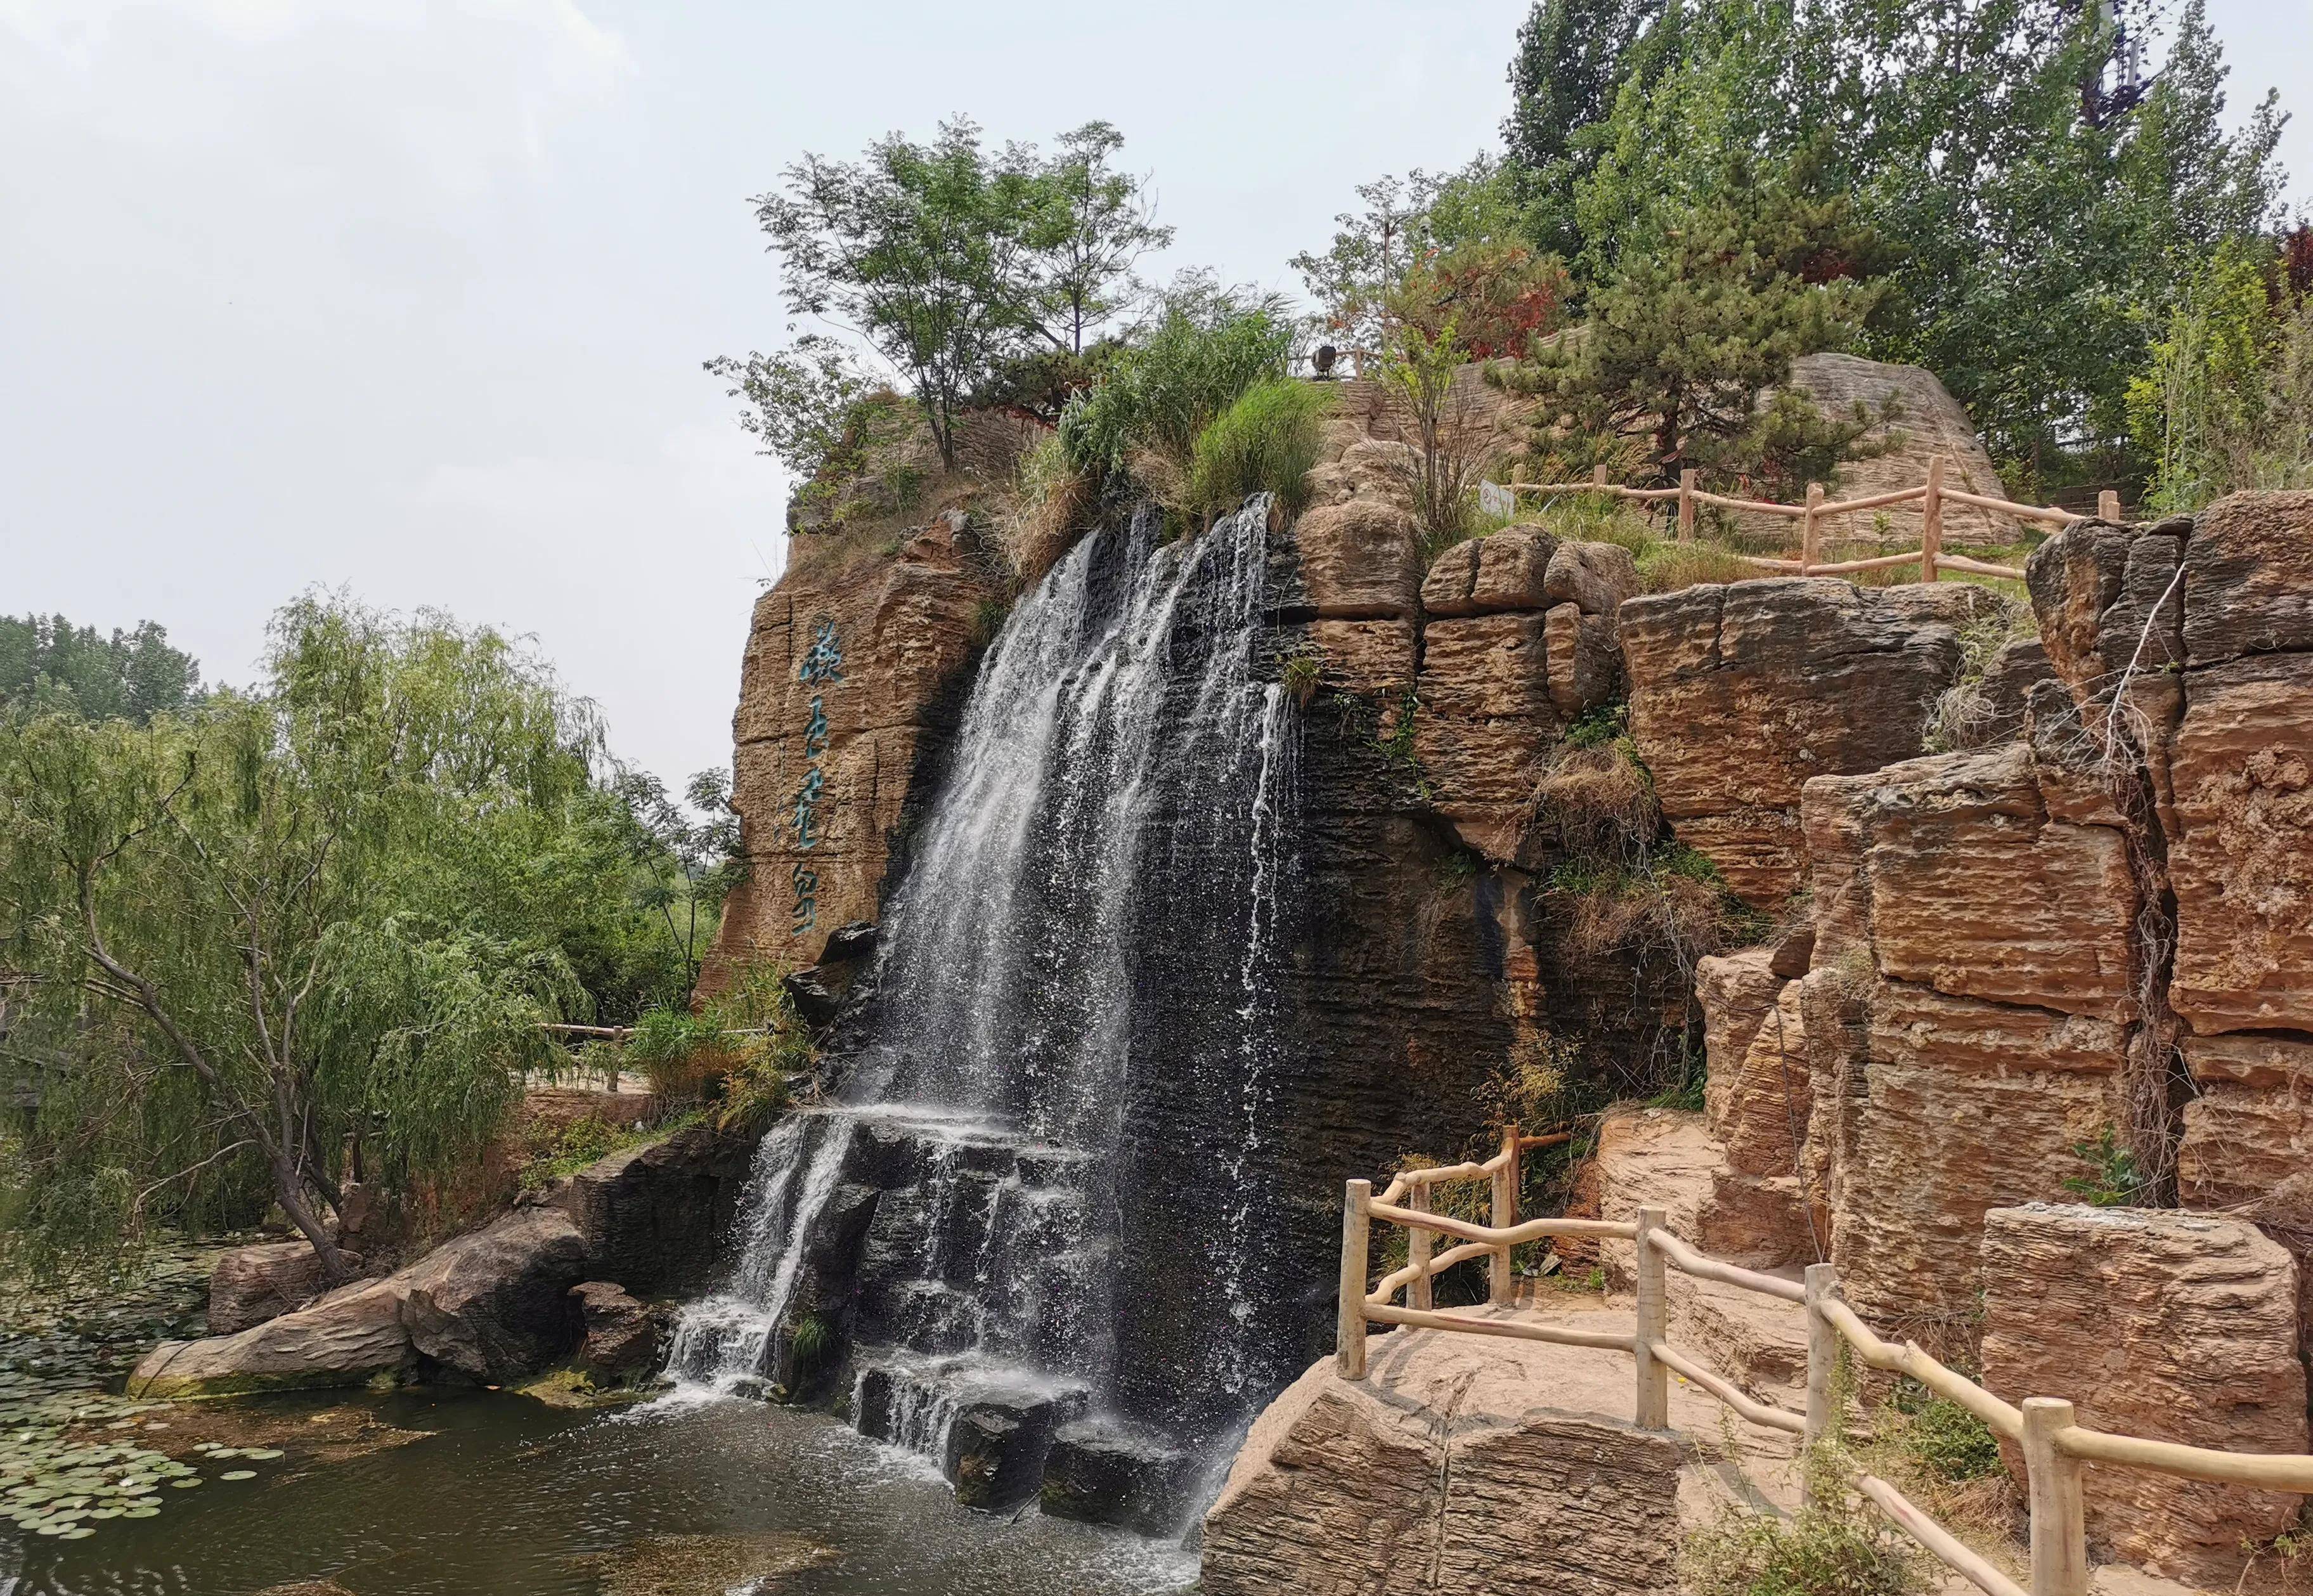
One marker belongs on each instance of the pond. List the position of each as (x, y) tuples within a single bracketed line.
[(412, 1493)]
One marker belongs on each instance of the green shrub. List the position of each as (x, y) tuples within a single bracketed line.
[(1208, 347), (2115, 1180), (1822, 1551), (1941, 1437), (1266, 441), (1303, 671)]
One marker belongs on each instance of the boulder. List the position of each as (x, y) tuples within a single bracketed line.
[(353, 1337), (251, 1284), (1976, 891), (1360, 561), (1463, 1463), (2020, 665), (651, 1218), (1512, 567), (1736, 991), (2248, 578), (1105, 1473), (2247, 1142), (1966, 1106), (494, 1304), (1740, 694), (1446, 588), (1583, 661), (2166, 1325), (619, 1333), (1765, 1105), (996, 1448), (1594, 577)]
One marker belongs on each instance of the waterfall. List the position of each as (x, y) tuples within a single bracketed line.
[(1072, 1027)]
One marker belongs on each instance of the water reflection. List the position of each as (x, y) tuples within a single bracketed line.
[(505, 1497)]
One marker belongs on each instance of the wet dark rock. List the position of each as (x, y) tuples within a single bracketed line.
[(815, 998), (852, 941), (1109, 1474), (653, 1218), (997, 1445), (621, 1335)]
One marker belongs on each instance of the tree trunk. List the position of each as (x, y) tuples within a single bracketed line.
[(289, 1192)]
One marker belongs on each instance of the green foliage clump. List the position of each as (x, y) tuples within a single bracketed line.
[(1264, 442), (1939, 1436), (48, 664), (1208, 346), (1819, 1551), (2227, 402), (2115, 1180), (1301, 673)]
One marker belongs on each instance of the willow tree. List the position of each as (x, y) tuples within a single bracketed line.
[(236, 938)]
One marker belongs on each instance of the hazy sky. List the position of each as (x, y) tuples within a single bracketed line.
[(411, 298)]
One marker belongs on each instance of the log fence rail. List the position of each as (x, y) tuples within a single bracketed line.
[(2053, 1442), (1932, 495)]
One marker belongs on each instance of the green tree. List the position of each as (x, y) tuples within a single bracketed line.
[(46, 661), (686, 859), (297, 914), (953, 262), (802, 401), (1570, 61), (1682, 341), (1406, 223), (2041, 214), (1097, 225)]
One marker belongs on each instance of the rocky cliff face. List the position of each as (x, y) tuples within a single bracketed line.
[(853, 678)]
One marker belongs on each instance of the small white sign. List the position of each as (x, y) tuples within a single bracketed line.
[(1495, 500)]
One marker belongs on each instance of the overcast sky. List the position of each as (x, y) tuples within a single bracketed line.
[(411, 299)]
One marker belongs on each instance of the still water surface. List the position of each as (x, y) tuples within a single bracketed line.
[(502, 1496)]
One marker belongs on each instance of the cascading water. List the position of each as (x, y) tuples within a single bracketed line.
[(1072, 1029)]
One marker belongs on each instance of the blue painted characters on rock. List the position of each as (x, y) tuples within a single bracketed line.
[(821, 667)]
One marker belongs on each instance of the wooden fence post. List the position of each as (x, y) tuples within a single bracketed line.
[(1686, 504), (1350, 1349), (1505, 1185), (1931, 519), (1653, 1321), (1822, 1361), (1811, 530), (2060, 1551), (1598, 475), (1417, 1248), (2108, 505)]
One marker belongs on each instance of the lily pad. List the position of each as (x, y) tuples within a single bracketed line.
[(263, 1453), (238, 1474)]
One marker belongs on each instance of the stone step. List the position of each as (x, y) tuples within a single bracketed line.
[(989, 1425)]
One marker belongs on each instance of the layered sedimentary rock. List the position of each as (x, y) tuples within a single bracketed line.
[(2166, 1325), (1461, 1464), (1741, 693), (852, 680), (2242, 770), (1987, 946)]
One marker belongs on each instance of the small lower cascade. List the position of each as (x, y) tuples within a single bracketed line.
[(1061, 1069)]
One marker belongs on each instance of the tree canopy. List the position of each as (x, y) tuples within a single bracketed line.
[(340, 903), (48, 663), (956, 264)]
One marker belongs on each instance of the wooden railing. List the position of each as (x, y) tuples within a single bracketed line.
[(2054, 1444), (1932, 495)]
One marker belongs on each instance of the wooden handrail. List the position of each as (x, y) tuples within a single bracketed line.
[(1840, 506), (2054, 1445), (1691, 1262), (1514, 1329), (1533, 1229), (1761, 1414), (2271, 1471), (1908, 1359), (1942, 1542)]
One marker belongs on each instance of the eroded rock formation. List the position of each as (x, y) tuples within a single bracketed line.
[(2172, 1326)]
